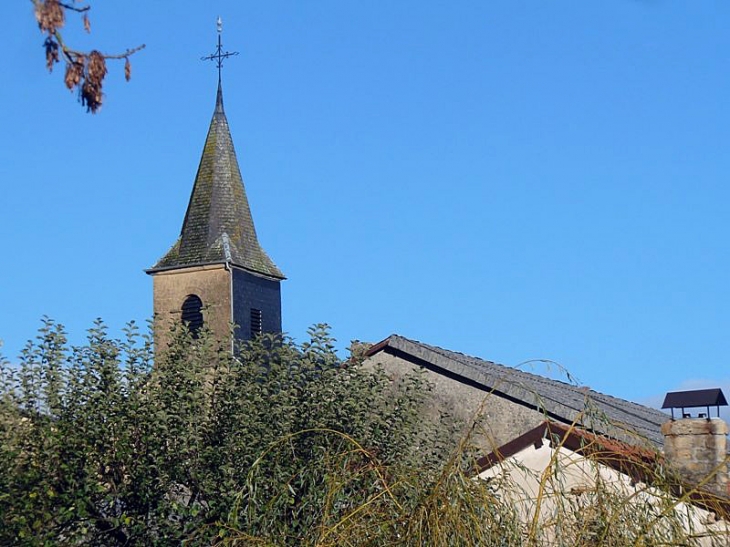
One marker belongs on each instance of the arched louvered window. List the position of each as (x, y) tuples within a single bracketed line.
[(192, 314)]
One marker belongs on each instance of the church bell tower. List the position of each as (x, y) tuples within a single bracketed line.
[(216, 273)]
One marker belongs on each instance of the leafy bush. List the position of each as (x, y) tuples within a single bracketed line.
[(99, 447), (278, 444)]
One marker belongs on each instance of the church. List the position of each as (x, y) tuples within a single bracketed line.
[(217, 274)]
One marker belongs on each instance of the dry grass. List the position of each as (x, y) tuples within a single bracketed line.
[(569, 500)]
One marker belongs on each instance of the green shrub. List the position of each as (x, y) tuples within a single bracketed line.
[(279, 444)]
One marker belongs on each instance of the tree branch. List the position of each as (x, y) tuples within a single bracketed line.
[(84, 70), (126, 54), (74, 8)]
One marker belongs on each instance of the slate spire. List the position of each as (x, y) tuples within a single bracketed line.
[(218, 227)]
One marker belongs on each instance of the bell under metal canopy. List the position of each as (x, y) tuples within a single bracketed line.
[(695, 399)]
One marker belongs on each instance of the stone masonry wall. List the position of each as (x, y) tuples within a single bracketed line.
[(499, 420), (697, 447), (210, 283)]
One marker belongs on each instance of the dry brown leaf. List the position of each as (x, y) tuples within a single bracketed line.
[(74, 73), (50, 16), (51, 53), (91, 96), (96, 68)]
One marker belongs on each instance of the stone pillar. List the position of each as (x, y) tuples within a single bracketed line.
[(696, 447)]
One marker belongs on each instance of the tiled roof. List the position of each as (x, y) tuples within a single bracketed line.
[(560, 401), (218, 226), (640, 463), (623, 457)]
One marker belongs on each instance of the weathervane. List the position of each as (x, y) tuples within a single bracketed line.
[(219, 55)]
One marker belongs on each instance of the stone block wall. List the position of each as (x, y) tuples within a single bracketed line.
[(211, 283), (498, 420), (696, 448)]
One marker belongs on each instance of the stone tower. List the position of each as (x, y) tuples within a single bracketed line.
[(216, 273)]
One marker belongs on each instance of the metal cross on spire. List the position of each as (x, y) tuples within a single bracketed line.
[(219, 55)]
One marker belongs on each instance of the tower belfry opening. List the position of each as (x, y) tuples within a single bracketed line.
[(217, 258)]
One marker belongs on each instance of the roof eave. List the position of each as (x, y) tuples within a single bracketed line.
[(155, 270), (637, 462)]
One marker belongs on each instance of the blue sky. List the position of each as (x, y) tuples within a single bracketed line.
[(510, 179)]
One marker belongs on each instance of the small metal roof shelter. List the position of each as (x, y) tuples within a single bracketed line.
[(695, 399)]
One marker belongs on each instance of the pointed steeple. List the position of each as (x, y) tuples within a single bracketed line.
[(218, 227)]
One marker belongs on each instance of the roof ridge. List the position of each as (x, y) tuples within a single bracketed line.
[(520, 371), (537, 377), (546, 392)]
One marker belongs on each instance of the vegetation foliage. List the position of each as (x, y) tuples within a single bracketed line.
[(279, 444), (98, 447)]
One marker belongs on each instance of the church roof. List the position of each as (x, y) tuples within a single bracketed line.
[(218, 226), (561, 401)]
